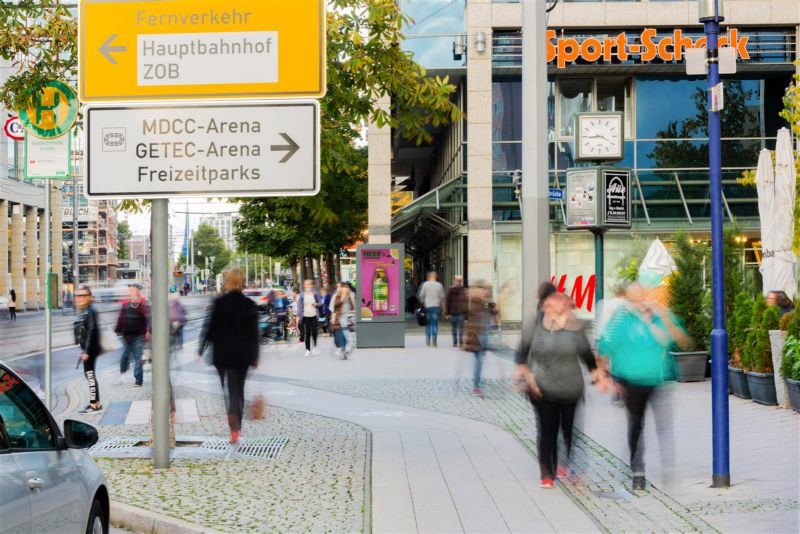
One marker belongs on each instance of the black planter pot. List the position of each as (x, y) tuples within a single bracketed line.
[(762, 387), (691, 365), (793, 387), (738, 382)]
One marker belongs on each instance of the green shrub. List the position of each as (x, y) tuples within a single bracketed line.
[(786, 320), (790, 364), (686, 286), (739, 326), (750, 346), (762, 355)]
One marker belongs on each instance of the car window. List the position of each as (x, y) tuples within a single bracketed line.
[(24, 415)]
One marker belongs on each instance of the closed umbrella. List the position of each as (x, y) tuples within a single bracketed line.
[(765, 184), (784, 270)]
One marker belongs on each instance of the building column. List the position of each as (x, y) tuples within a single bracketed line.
[(57, 229), (17, 258), (379, 171), (31, 257), (5, 229), (480, 253)]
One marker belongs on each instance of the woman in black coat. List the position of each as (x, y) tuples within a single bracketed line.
[(232, 331), (88, 338)]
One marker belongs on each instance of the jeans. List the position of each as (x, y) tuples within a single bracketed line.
[(235, 378), (550, 415), (132, 348), (457, 320), (476, 377), (432, 322), (636, 400), (310, 325), (88, 371)]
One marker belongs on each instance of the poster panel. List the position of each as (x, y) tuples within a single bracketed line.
[(380, 282), (617, 195), (581, 198)]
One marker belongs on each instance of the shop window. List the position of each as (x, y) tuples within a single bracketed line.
[(579, 95)]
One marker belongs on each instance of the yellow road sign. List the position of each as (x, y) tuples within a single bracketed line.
[(180, 49)]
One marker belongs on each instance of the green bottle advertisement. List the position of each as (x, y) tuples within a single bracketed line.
[(380, 292)]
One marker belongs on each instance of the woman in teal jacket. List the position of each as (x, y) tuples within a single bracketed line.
[(636, 340)]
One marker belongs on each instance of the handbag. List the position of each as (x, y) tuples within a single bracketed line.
[(109, 342), (422, 317)]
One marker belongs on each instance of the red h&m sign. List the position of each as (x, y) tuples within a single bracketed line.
[(583, 296)]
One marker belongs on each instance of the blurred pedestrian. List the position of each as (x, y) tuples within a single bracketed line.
[(477, 322), (455, 308), (279, 306), (177, 320), (781, 300), (88, 339), (343, 308), (431, 296), (549, 364), (325, 310), (635, 340), (308, 305), (133, 325), (232, 332), (12, 306)]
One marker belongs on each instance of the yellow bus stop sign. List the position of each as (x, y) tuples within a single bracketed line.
[(53, 113), (190, 49)]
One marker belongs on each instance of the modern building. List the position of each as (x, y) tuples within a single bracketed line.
[(602, 56), (223, 223)]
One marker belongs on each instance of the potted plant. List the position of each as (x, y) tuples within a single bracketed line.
[(760, 377), (684, 287), (738, 328), (777, 338), (790, 370)]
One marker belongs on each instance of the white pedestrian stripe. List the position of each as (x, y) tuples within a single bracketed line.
[(140, 412)]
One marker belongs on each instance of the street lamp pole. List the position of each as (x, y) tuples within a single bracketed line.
[(710, 15)]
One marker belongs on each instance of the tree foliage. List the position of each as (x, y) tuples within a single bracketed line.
[(208, 243), (364, 63), (39, 37), (123, 235)]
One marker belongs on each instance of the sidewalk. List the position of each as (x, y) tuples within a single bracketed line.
[(444, 460)]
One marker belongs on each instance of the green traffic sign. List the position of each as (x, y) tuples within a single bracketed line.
[(53, 114)]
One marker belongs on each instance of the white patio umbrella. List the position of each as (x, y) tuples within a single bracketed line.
[(765, 184), (784, 270)]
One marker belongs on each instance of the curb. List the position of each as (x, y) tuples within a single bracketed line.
[(147, 522)]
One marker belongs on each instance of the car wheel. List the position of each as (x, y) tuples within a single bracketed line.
[(97, 521)]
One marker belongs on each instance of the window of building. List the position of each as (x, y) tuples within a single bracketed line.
[(580, 95)]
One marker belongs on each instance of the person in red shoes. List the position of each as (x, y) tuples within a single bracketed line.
[(232, 332), (549, 364)]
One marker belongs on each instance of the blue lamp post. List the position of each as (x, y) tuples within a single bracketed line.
[(711, 13)]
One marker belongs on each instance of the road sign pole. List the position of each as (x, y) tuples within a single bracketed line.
[(75, 266), (721, 477), (48, 333), (159, 225)]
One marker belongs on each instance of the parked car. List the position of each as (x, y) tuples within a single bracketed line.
[(49, 482), (259, 296)]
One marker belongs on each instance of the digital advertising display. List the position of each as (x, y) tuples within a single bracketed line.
[(380, 282)]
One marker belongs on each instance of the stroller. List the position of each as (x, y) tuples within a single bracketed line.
[(271, 327)]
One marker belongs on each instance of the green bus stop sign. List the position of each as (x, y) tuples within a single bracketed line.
[(53, 113)]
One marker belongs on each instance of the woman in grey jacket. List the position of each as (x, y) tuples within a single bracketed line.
[(549, 362)]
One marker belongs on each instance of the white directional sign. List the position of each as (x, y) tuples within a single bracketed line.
[(250, 148)]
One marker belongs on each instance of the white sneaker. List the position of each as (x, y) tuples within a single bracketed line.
[(308, 353), (315, 352)]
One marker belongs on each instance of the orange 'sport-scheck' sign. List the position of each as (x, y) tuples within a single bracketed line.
[(566, 50)]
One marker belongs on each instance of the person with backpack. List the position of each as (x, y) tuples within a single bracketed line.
[(87, 337), (133, 325)]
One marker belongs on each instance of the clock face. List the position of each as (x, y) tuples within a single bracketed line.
[(600, 137)]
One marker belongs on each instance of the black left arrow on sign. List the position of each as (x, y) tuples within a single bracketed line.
[(289, 148)]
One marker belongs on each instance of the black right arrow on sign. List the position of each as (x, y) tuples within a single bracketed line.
[(289, 148)]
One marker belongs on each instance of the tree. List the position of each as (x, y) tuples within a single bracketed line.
[(208, 243), (123, 235), (364, 63), (39, 37), (686, 289)]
